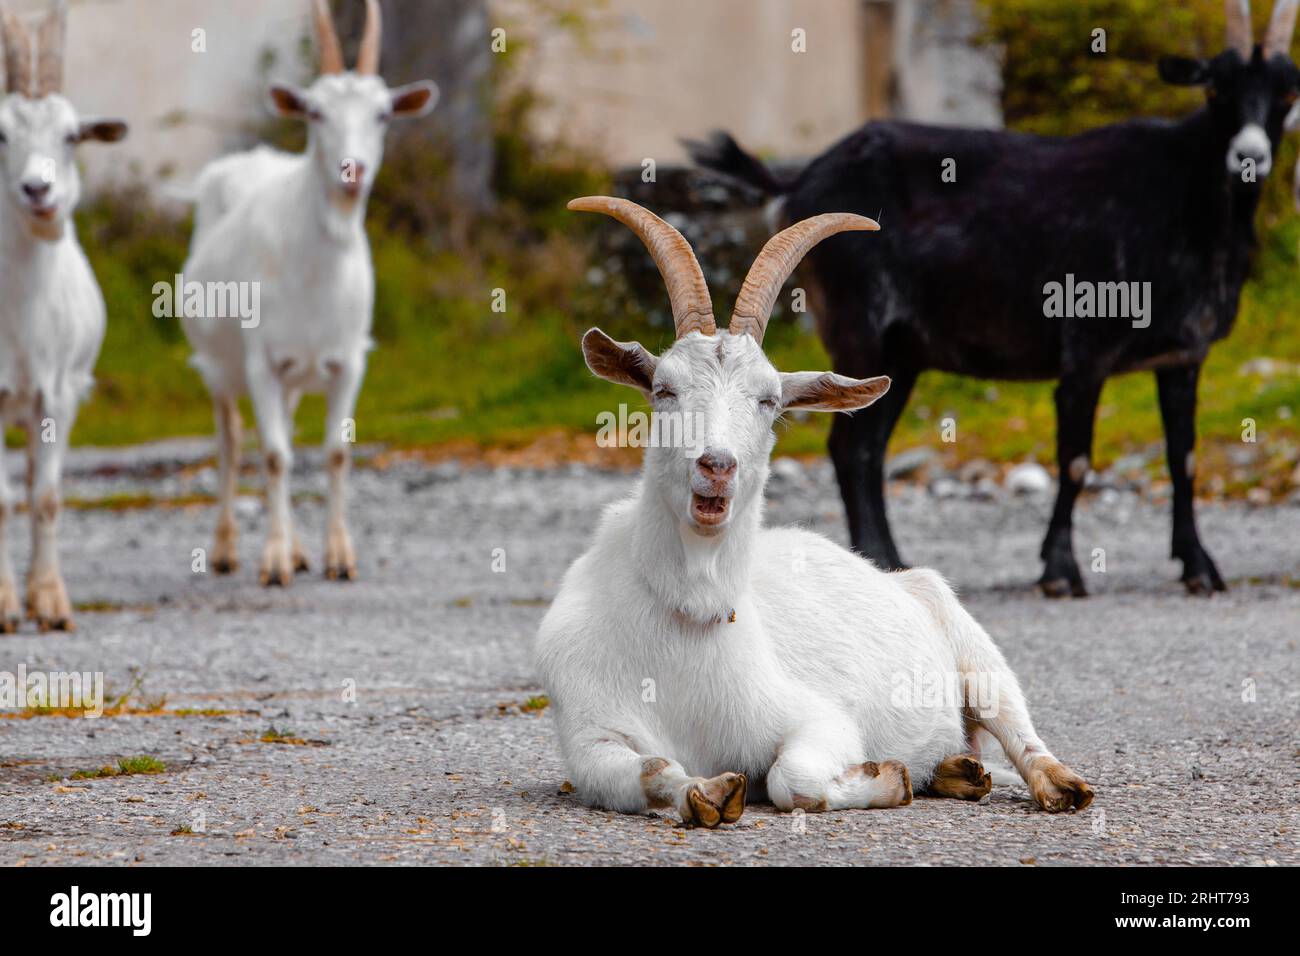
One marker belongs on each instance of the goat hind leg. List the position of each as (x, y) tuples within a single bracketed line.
[(1177, 391)]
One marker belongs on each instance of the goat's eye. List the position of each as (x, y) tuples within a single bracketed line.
[(72, 139), (769, 403), (314, 115), (385, 117), (663, 394)]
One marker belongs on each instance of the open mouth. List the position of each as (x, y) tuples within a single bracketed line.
[(45, 213), (709, 511)]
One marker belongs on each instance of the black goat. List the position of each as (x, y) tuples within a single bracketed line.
[(995, 274)]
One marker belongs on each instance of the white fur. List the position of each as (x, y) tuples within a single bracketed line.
[(294, 225), (1251, 142), (52, 322), (641, 662)]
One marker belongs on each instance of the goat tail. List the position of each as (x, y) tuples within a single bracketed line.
[(721, 154), (992, 699)]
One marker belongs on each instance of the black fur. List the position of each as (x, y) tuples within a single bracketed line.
[(955, 279)]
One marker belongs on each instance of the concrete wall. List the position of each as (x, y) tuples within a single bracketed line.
[(636, 77)]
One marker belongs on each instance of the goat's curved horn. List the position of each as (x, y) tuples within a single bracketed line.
[(368, 57), (327, 41), (687, 290), (1281, 27), (777, 260), (18, 55), (1237, 15), (49, 46)]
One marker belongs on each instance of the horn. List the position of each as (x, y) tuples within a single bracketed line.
[(49, 44), (1281, 27), (331, 54), (368, 56), (775, 263), (687, 290), (18, 56), (1237, 14)]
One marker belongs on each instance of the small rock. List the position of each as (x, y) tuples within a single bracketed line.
[(907, 463), (976, 470), (787, 469), (1029, 478), (946, 488), (1258, 496)]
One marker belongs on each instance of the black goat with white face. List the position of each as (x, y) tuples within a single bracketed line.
[(1007, 271)]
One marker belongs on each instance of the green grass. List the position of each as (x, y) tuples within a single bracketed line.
[(125, 767), (449, 370)]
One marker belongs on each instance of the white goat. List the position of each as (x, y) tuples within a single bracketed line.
[(52, 312), (692, 653), (293, 227)]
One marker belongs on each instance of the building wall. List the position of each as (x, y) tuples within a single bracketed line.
[(636, 76)]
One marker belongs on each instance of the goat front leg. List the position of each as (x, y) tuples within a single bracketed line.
[(10, 608), (269, 403), (1177, 390), (613, 775), (1076, 409), (47, 597), (814, 775), (340, 427)]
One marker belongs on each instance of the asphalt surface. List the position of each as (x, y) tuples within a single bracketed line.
[(388, 720)]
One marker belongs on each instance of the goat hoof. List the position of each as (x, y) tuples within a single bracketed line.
[(9, 625), (1057, 788), (1062, 588), (277, 564), (718, 800), (225, 566), (341, 573), (300, 564), (47, 603)]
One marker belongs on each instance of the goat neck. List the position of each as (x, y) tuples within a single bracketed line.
[(703, 579)]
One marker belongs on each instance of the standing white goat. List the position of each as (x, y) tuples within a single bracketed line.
[(692, 653), (293, 227), (52, 312)]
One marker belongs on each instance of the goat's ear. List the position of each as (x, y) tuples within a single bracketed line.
[(1183, 70), (626, 363), (287, 101), (414, 99), (828, 392), (101, 130)]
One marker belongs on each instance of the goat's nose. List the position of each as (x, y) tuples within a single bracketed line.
[(36, 188), (715, 464), (352, 171)]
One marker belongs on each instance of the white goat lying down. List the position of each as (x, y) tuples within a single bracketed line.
[(295, 226), (51, 310), (692, 653)]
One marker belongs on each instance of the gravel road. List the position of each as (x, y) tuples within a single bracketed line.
[(394, 719)]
